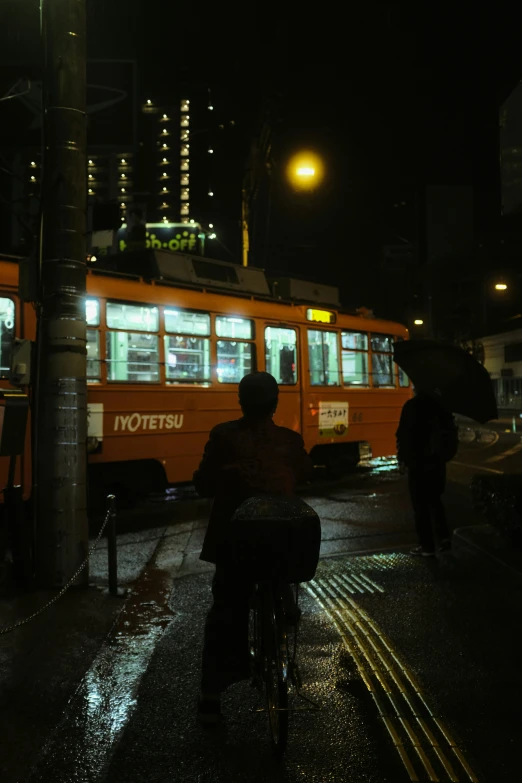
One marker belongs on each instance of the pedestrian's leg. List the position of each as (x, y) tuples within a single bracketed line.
[(439, 517), (442, 531), (420, 502), (225, 648)]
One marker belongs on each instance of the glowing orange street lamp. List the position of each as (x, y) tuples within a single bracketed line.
[(305, 170)]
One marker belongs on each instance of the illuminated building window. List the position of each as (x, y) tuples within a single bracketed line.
[(185, 105), (184, 136), (185, 194), (184, 179), (184, 209), (185, 165), (184, 150), (184, 121)]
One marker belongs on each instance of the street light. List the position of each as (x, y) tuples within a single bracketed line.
[(305, 170)]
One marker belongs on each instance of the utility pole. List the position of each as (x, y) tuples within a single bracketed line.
[(244, 226), (61, 394)]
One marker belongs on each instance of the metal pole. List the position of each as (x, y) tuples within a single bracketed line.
[(60, 491), (111, 546), (244, 226)]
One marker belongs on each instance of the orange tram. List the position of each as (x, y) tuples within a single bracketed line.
[(169, 337)]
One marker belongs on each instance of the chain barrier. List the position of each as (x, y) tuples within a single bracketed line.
[(110, 513)]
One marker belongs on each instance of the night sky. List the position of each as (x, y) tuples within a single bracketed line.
[(390, 96)]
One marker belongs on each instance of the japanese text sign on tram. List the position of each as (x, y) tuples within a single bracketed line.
[(320, 316), (333, 418)]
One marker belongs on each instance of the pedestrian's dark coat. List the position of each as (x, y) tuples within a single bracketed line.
[(244, 458), (415, 428)]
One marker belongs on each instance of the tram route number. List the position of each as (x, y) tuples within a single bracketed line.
[(133, 422)]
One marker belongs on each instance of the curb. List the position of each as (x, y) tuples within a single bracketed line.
[(485, 543)]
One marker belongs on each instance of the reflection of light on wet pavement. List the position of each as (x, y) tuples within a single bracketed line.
[(379, 465), (420, 736), (81, 745)]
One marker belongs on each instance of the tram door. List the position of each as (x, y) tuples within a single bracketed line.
[(283, 361)]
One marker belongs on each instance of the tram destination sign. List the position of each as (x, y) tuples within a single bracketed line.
[(320, 316)]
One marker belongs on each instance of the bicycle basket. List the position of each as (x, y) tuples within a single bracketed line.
[(276, 539)]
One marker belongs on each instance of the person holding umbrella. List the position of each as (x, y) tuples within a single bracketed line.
[(448, 380), (427, 438)]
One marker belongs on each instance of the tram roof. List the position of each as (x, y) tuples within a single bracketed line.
[(199, 271)]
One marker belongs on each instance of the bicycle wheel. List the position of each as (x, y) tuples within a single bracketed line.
[(276, 671), (256, 640)]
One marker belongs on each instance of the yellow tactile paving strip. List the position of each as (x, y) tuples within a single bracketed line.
[(423, 743)]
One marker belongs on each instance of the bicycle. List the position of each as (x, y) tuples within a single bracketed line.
[(274, 658), (276, 542)]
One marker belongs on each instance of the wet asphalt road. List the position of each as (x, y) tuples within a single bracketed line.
[(416, 665)]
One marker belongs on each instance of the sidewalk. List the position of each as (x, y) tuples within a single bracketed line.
[(43, 662)]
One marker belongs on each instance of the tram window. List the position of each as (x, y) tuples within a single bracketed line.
[(281, 354), (187, 322), (355, 368), (93, 355), (92, 312), (404, 381), (354, 358), (382, 343), (234, 360), (187, 359), (7, 318), (355, 341), (132, 357), (382, 362), (141, 318), (187, 354), (382, 370), (236, 328), (323, 358)]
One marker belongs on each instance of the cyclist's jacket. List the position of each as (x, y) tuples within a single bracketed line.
[(242, 459)]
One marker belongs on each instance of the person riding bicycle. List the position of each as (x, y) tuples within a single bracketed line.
[(244, 458)]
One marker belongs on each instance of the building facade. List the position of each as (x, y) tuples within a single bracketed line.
[(503, 361)]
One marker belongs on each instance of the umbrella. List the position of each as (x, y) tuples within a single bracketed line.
[(464, 384)]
